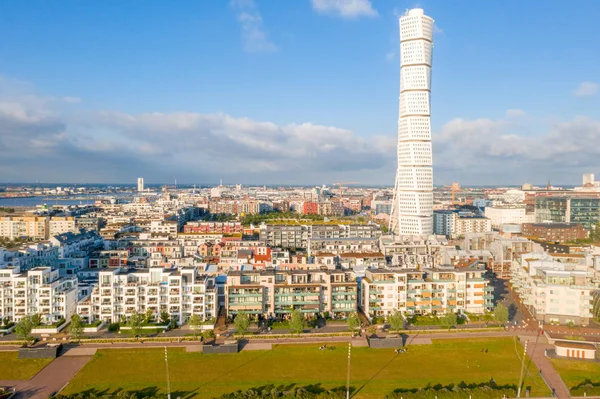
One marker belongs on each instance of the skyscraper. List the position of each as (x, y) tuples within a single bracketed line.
[(140, 184), (412, 212)]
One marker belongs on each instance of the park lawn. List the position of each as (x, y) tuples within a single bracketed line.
[(374, 372), (574, 372), (13, 368)]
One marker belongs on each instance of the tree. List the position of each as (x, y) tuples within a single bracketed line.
[(149, 316), (501, 313), (164, 317), (76, 327), (297, 322), (208, 335), (353, 321), (449, 320), (23, 328), (135, 323), (36, 320), (396, 321), (195, 323), (242, 323)]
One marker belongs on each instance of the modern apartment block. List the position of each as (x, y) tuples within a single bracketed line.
[(276, 293), (412, 209), (61, 224), (453, 224), (37, 291), (121, 292), (427, 291), (35, 227), (554, 291), (298, 236), (583, 210)]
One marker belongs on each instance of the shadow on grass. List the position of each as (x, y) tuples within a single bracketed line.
[(266, 391), (144, 393)]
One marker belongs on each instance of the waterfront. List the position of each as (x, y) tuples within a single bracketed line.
[(32, 202)]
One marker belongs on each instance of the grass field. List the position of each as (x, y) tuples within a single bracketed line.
[(374, 372), (575, 372), (13, 368)]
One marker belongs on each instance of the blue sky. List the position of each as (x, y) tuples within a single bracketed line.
[(302, 91)]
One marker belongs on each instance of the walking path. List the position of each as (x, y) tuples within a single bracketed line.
[(50, 380)]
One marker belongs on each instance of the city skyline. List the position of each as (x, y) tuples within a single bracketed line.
[(276, 106)]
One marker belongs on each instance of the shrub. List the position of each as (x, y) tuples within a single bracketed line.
[(114, 327)]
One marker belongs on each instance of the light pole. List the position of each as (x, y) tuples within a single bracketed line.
[(168, 381), (348, 377), (521, 374)]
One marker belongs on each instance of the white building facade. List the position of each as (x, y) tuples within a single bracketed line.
[(412, 212), (37, 291), (180, 293)]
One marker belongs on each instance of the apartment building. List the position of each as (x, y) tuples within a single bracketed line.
[(276, 293), (297, 236), (213, 227), (554, 291), (167, 227), (29, 255), (428, 291), (69, 243), (413, 251), (61, 224), (121, 292), (453, 224), (508, 214), (35, 227), (560, 233), (40, 290)]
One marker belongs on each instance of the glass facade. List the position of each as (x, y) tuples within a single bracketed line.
[(585, 211)]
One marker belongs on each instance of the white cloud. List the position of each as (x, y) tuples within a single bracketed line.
[(256, 39), (345, 8), (390, 55), (586, 89), (515, 113)]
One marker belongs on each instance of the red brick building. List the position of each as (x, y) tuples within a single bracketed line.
[(555, 232), (310, 208)]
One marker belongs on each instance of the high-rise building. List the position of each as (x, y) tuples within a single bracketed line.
[(140, 184), (412, 208)]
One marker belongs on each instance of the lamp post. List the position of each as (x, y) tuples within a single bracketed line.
[(348, 377), (167, 368)]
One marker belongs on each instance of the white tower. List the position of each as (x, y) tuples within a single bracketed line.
[(412, 208), (140, 184)]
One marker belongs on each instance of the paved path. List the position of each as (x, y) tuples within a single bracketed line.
[(50, 380)]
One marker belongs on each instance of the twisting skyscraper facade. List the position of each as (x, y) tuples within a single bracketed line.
[(412, 212)]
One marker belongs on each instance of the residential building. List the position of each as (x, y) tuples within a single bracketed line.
[(180, 293), (40, 290), (555, 232), (454, 224), (140, 184), (276, 293), (412, 212), (213, 227), (433, 291), (508, 214), (554, 291), (59, 225), (35, 227)]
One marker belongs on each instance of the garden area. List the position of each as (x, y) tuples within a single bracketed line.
[(581, 377), (375, 373)]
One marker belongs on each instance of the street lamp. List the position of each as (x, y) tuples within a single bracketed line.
[(348, 377), (167, 368)]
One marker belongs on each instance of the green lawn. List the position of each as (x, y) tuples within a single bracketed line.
[(13, 368), (374, 372), (575, 372)]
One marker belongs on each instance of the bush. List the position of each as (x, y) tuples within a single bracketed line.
[(94, 324), (114, 327)]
